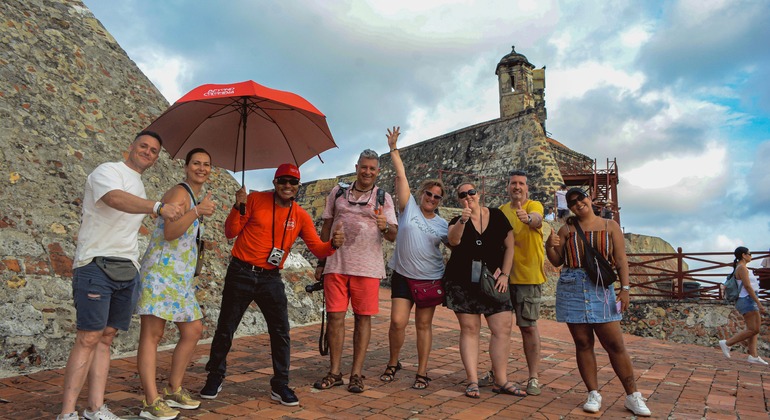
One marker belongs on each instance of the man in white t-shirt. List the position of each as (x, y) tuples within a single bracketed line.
[(114, 205), (352, 275), (561, 203)]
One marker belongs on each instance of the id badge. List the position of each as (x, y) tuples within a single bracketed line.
[(476, 267)]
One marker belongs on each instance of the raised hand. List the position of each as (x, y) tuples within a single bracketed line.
[(393, 137), (466, 214), (553, 241), (521, 213), (207, 206), (338, 238), (241, 196), (173, 211), (382, 221)]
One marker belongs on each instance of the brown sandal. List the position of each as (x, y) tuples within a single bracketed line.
[(328, 381), (390, 372), (421, 381), (356, 384)]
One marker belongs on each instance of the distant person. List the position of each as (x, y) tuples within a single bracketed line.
[(114, 206), (481, 235), (550, 216), (168, 293), (265, 235), (748, 305), (596, 206), (417, 259), (766, 261), (527, 275), (352, 275), (590, 310), (561, 202), (607, 212)]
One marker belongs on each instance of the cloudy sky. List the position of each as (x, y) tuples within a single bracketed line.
[(677, 91)]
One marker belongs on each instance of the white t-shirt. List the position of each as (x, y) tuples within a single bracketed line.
[(417, 254), (104, 231), (766, 262), (561, 199)]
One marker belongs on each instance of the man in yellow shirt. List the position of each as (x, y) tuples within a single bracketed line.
[(527, 275)]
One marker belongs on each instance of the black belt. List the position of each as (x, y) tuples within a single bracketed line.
[(254, 268)]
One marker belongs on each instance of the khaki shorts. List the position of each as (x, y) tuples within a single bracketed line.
[(526, 303)]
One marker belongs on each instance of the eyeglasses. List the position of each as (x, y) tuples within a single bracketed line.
[(431, 195), (748, 253), (360, 203), (574, 201), (464, 194), (287, 180), (517, 172)]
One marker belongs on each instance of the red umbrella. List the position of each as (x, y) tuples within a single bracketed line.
[(244, 126)]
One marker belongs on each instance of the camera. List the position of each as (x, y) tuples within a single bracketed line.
[(276, 255), (319, 285)]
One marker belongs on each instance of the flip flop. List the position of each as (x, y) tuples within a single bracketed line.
[(509, 388), (472, 391)]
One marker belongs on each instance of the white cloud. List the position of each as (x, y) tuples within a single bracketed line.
[(167, 71), (666, 173)]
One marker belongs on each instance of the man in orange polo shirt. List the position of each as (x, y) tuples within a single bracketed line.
[(265, 234)]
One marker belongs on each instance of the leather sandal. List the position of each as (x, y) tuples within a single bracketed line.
[(509, 388), (421, 381), (390, 372), (328, 381), (356, 384)]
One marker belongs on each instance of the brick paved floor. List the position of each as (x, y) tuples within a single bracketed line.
[(682, 381)]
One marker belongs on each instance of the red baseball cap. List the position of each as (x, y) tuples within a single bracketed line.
[(287, 169)]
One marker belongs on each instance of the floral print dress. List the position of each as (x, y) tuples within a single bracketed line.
[(167, 274)]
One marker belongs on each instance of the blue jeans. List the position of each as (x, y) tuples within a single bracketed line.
[(242, 286), (102, 302)]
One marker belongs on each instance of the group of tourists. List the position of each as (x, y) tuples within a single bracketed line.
[(495, 270)]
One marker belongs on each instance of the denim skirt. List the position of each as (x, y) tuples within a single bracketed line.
[(580, 301), (745, 305)]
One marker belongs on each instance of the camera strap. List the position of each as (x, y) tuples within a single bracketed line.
[(285, 224)]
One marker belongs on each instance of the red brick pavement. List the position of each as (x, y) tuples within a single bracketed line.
[(681, 381)]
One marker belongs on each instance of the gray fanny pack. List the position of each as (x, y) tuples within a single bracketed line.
[(116, 268)]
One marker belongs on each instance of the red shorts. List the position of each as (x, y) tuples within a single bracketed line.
[(362, 292)]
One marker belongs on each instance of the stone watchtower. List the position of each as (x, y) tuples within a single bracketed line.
[(521, 86)]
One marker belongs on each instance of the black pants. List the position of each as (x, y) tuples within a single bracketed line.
[(242, 286)]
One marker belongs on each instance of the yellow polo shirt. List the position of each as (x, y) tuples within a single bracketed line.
[(528, 250)]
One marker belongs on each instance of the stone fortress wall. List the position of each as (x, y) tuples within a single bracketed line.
[(71, 98)]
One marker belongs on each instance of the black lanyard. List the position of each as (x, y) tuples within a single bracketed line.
[(285, 224)]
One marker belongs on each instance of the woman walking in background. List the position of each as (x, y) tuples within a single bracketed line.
[(481, 234), (748, 305), (417, 263), (168, 293), (589, 310)]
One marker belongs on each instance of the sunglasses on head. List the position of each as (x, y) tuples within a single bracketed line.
[(517, 172), (431, 195), (287, 180), (466, 193)]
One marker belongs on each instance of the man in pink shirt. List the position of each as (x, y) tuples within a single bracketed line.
[(366, 215)]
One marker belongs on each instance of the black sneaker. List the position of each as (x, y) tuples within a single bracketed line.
[(285, 395), (212, 387)]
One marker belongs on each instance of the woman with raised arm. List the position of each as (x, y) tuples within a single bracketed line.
[(168, 292), (590, 310), (748, 305), (481, 235), (417, 264)]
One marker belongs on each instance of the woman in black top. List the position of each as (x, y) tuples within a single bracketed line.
[(480, 233)]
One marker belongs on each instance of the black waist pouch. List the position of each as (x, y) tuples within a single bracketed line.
[(116, 268)]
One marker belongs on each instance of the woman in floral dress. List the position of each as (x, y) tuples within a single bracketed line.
[(168, 292)]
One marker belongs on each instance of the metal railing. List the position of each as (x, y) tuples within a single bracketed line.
[(688, 276)]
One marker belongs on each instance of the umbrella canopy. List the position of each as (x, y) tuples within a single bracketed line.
[(244, 126)]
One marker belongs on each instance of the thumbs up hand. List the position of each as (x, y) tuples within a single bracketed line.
[(466, 214), (338, 238), (522, 214), (554, 241), (207, 206)]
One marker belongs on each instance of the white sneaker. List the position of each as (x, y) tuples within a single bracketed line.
[(635, 403), (725, 349), (758, 360), (68, 416), (594, 402), (103, 413)]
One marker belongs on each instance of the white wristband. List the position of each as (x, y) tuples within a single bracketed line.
[(156, 207)]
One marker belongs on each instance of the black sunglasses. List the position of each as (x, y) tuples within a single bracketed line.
[(431, 195), (748, 253), (287, 180), (466, 193), (360, 203), (517, 172)]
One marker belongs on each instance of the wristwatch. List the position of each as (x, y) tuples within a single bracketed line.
[(625, 287), (387, 228), (529, 219)]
